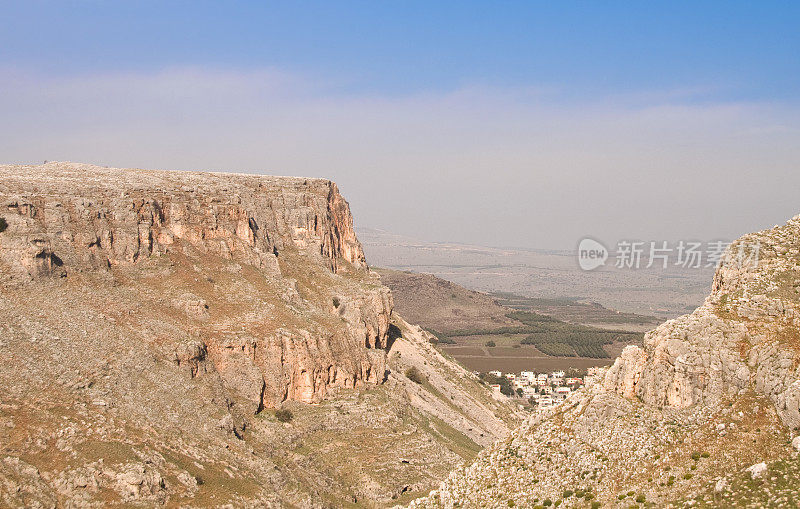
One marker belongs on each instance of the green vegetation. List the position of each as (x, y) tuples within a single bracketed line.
[(557, 338), (414, 375), (284, 415), (503, 382), (553, 337)]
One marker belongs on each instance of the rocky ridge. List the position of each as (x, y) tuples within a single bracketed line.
[(152, 322), (64, 219), (703, 414)]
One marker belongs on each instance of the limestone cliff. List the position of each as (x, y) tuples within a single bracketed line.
[(189, 339), (705, 414), (746, 334), (65, 219)]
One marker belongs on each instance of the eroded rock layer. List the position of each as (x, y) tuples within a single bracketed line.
[(303, 314)]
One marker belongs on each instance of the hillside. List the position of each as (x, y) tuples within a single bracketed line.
[(199, 339), (706, 413), (542, 274), (483, 334), (442, 305)]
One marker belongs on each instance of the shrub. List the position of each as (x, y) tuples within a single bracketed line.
[(547, 502), (688, 476), (284, 415), (596, 505), (622, 496), (588, 496), (567, 494), (490, 343), (414, 375), (511, 503), (3, 224), (336, 302), (640, 499), (705, 454), (695, 456)]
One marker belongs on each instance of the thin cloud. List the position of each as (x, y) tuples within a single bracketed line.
[(486, 165)]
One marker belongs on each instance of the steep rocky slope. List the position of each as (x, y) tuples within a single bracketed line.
[(704, 414), (151, 321)]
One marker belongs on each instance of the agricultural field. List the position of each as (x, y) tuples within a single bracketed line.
[(484, 333)]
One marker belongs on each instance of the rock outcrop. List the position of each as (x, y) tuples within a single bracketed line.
[(66, 219), (704, 414), (746, 333), (211, 340)]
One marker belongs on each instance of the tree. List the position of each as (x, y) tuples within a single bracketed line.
[(414, 375), (284, 415), (490, 343)]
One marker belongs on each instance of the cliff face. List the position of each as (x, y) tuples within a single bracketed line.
[(705, 414), (150, 319), (88, 217), (293, 235), (747, 333)]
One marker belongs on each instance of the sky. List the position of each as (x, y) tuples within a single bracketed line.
[(514, 124)]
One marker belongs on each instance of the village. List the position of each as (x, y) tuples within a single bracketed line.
[(539, 390)]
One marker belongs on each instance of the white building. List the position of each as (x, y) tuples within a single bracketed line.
[(562, 392), (496, 373)]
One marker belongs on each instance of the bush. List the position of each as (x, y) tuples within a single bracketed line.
[(490, 343), (705, 454), (640, 499), (284, 415), (567, 494), (414, 375), (3, 224), (336, 302), (547, 502), (695, 456), (596, 505)]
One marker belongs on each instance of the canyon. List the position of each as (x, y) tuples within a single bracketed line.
[(195, 338)]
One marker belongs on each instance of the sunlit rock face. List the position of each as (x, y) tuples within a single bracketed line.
[(293, 235)]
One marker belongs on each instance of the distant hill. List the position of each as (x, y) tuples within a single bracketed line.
[(541, 274), (481, 333), (441, 305)]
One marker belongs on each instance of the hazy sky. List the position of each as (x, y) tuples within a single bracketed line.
[(525, 124)]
